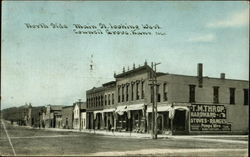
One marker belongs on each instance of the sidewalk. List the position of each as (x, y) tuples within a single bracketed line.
[(160, 136), (110, 133)]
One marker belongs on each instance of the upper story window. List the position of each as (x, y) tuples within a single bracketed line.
[(126, 92), (109, 99), (113, 98), (137, 91), (246, 96), (119, 96), (232, 95), (165, 94), (191, 93), (152, 93), (122, 93), (216, 94), (158, 93), (105, 100), (102, 100), (142, 90), (132, 91)]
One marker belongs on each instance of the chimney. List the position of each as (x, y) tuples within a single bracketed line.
[(134, 66), (200, 74), (123, 70), (222, 75)]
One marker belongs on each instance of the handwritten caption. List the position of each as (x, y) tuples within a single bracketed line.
[(103, 28)]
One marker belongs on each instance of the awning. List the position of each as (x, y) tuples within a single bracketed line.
[(168, 108), (135, 107), (121, 109), (159, 108), (95, 112), (108, 110), (181, 108)]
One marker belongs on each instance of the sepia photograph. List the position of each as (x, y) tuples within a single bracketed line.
[(124, 78)]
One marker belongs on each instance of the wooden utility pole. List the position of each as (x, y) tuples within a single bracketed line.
[(154, 92)]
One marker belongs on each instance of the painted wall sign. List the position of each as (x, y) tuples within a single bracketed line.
[(208, 118)]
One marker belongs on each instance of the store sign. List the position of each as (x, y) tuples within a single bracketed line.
[(208, 118)]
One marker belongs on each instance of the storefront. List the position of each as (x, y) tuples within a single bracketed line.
[(166, 114), (108, 117), (131, 118)]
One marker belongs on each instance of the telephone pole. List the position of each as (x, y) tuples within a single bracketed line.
[(154, 92)]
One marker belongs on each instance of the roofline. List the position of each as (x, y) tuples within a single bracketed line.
[(164, 74), (145, 66)]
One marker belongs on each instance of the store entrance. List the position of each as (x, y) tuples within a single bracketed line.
[(179, 121)]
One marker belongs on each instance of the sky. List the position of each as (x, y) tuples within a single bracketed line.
[(52, 66)]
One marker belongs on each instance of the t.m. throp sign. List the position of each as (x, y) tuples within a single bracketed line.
[(208, 118)]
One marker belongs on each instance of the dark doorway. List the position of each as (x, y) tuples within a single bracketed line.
[(159, 125), (179, 120)]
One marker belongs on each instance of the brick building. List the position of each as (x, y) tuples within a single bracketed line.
[(196, 104), (67, 117)]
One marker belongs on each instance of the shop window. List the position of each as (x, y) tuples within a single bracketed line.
[(246, 96), (232, 95), (191, 93)]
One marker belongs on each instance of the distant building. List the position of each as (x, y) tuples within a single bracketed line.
[(192, 104), (78, 108), (33, 116), (53, 116), (67, 117)]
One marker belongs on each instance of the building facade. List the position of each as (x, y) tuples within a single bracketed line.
[(52, 116), (185, 104), (67, 117), (78, 108)]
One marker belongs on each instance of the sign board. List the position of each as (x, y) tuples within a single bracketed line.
[(208, 118)]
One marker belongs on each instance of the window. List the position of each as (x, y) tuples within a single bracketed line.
[(152, 94), (113, 100), (216, 94), (158, 94), (246, 96), (137, 91), (132, 91), (126, 92), (105, 100), (119, 97), (102, 100), (191, 93), (87, 103), (122, 93), (165, 96), (232, 95), (142, 90), (109, 99)]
